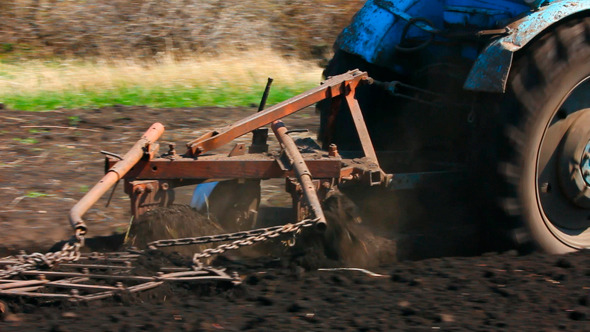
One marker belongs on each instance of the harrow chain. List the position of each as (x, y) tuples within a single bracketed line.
[(70, 252), (240, 239)]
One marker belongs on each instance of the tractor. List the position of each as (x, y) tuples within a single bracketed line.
[(500, 87), (494, 92)]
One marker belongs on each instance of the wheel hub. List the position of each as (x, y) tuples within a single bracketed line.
[(574, 160), (563, 177)]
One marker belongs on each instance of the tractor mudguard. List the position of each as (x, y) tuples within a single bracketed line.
[(490, 71)]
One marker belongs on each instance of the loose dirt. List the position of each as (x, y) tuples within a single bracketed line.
[(50, 159)]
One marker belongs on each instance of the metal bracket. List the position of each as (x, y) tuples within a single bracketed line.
[(147, 195)]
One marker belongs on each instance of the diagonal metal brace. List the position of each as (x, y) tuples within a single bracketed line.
[(332, 87), (301, 171)]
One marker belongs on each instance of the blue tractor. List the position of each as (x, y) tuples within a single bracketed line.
[(498, 86), (495, 89)]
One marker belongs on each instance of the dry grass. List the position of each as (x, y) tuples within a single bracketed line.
[(235, 70), (227, 80), (115, 28), (167, 53)]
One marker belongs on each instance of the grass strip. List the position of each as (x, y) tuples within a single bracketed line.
[(179, 96), (233, 79)]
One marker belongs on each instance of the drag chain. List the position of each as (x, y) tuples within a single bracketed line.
[(240, 239), (70, 252), (70, 275)]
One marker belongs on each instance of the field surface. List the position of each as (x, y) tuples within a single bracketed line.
[(50, 159)]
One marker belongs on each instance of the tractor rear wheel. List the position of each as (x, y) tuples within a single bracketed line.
[(542, 153)]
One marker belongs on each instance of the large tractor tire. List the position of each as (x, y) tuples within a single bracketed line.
[(541, 146)]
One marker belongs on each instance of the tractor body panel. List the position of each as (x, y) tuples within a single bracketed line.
[(381, 25)]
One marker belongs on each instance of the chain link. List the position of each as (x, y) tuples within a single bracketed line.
[(240, 239), (70, 252)]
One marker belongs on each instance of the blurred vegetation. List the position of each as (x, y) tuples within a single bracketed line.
[(145, 28), (224, 80), (163, 53), (222, 96)]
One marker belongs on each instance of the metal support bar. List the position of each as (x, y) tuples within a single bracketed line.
[(57, 274), (331, 88), (265, 95), (260, 135), (222, 167), (113, 175), (301, 171), (361, 127)]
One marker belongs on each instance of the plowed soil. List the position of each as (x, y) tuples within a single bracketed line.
[(50, 159)]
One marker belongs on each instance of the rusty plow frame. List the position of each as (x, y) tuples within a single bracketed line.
[(150, 179)]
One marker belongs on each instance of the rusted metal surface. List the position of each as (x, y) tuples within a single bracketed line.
[(101, 276), (249, 166), (301, 171), (361, 127), (293, 187), (238, 150), (333, 150), (364, 171), (259, 139), (326, 136), (147, 195), (260, 135), (136, 153), (331, 88)]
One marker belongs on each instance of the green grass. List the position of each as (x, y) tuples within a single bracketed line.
[(228, 80), (35, 194), (154, 97), (27, 141)]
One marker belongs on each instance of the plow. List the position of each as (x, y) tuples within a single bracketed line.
[(491, 92), (311, 175)]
